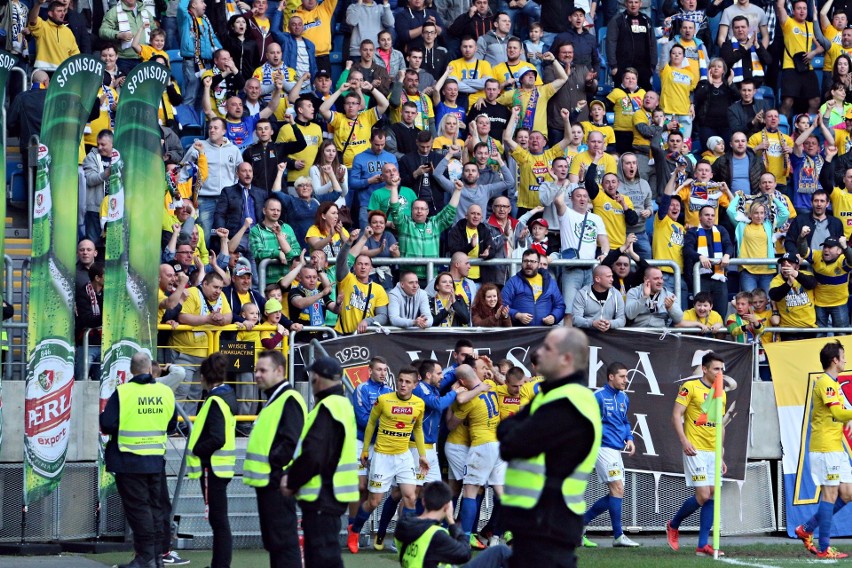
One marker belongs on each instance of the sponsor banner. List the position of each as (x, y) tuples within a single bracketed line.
[(50, 334), (795, 368), (131, 266), (7, 61), (657, 365)]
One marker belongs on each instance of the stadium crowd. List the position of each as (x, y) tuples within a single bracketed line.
[(615, 134)]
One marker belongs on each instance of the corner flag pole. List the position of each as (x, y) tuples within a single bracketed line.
[(718, 416)]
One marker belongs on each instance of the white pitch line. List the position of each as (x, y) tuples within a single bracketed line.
[(742, 563)]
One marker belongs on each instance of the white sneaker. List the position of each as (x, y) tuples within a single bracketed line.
[(624, 541), (493, 541)]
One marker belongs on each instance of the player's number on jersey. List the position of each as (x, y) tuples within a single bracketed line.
[(491, 403)]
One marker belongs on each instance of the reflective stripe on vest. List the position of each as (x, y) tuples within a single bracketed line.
[(146, 410), (414, 554), (525, 478), (345, 480), (256, 468), (224, 459)]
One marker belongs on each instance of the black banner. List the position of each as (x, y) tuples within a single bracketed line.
[(658, 364)]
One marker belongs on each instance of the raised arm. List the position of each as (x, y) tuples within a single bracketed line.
[(781, 11), (328, 104)]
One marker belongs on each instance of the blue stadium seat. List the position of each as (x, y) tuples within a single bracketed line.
[(602, 45), (818, 62), (187, 141), (176, 65), (610, 118), (765, 92), (335, 57), (18, 188), (188, 117), (783, 124)]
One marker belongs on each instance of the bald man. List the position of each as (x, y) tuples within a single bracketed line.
[(599, 306)]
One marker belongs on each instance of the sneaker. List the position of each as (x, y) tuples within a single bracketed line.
[(379, 543), (707, 550), (672, 536), (391, 547), (475, 544), (352, 540), (831, 553), (171, 558), (588, 543), (494, 540), (624, 541), (807, 538)]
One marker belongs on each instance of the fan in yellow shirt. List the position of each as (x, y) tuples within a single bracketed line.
[(703, 316), (352, 128), (533, 99), (470, 72), (676, 84), (792, 290)]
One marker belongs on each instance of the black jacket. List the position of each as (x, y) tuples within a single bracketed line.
[(808, 282), (565, 436), (230, 207), (554, 15), (26, 114), (690, 248), (634, 277), (731, 56), (212, 436), (457, 240), (740, 116), (474, 26), (320, 454), (835, 229), (625, 48), (432, 194), (245, 53), (711, 102), (287, 435), (444, 548), (265, 159), (630, 215), (723, 168), (125, 462)]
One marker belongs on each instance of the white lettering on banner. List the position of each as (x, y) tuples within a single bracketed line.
[(643, 432), (157, 73), (78, 65), (7, 62), (643, 368)]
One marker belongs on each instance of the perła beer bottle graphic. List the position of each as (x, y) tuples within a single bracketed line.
[(50, 371)]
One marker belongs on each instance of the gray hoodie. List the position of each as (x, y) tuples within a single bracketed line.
[(587, 308), (639, 193), (404, 309), (222, 164), (367, 20), (651, 312), (492, 48)]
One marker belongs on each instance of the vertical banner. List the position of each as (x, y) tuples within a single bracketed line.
[(50, 334), (132, 262), (795, 368), (7, 62)]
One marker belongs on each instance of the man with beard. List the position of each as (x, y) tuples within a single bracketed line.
[(739, 166)]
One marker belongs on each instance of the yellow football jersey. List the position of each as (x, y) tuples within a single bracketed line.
[(832, 280), (510, 404), (483, 416), (529, 389), (476, 69), (460, 434), (398, 422), (826, 431), (692, 395)]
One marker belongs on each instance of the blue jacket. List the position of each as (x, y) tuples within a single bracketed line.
[(364, 166), (363, 400), (435, 407), (187, 43), (616, 426), (290, 49), (518, 295)]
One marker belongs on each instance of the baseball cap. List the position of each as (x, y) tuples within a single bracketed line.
[(789, 257), (598, 103), (540, 221), (322, 73), (272, 306), (577, 8), (326, 367), (242, 268), (525, 71), (831, 242)]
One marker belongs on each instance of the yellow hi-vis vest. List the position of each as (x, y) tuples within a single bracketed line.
[(345, 478), (415, 553), (525, 478), (256, 468), (145, 414), (224, 459)]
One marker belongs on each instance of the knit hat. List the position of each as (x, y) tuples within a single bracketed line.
[(272, 306), (712, 142)]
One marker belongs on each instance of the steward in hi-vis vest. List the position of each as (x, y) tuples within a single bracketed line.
[(212, 452), (271, 448), (324, 476), (137, 418), (551, 447)]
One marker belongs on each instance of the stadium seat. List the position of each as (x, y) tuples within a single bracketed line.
[(188, 117), (335, 57), (18, 188), (765, 92), (783, 124), (818, 62), (187, 141), (610, 117), (176, 65), (602, 45)]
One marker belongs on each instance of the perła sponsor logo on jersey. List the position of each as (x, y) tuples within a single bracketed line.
[(77, 66), (402, 410)]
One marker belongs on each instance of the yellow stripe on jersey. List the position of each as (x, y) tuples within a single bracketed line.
[(483, 416), (692, 395), (832, 280), (841, 205), (466, 70), (398, 422), (460, 434), (529, 389), (510, 404), (612, 214)]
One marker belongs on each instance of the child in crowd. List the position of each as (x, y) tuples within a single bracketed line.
[(156, 44), (597, 122), (534, 47), (768, 318), (744, 325), (703, 316)]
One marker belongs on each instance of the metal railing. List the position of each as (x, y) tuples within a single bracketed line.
[(291, 359), (696, 268), (432, 262)]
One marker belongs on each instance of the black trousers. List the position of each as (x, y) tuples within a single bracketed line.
[(215, 491), (278, 527), (322, 548), (141, 497), (529, 549)]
